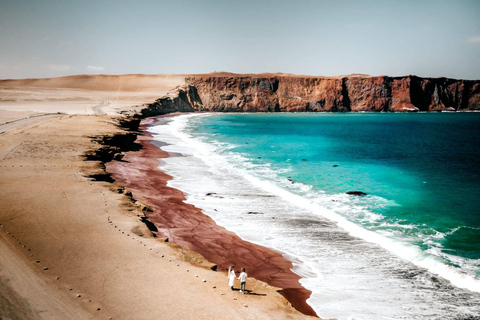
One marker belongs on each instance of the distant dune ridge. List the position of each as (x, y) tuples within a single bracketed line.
[(127, 82), (85, 94)]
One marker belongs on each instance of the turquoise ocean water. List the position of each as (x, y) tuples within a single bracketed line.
[(408, 249)]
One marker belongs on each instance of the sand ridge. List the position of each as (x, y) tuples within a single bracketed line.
[(83, 94)]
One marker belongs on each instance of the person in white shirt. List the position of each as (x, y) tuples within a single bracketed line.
[(231, 276), (243, 280)]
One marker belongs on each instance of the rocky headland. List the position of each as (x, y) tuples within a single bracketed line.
[(288, 93)]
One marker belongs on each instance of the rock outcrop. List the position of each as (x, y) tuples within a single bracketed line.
[(322, 94), (183, 99)]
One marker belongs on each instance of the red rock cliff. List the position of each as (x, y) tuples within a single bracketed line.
[(323, 94)]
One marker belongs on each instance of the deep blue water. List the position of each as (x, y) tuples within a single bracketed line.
[(427, 164)]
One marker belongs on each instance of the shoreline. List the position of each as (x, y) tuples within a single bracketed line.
[(75, 247), (138, 172)]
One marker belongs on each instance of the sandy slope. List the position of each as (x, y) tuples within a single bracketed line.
[(73, 248), (82, 94)]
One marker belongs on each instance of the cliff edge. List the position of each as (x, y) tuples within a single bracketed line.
[(288, 93)]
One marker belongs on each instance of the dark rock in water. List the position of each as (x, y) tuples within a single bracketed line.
[(467, 317), (356, 193), (254, 212), (213, 194)]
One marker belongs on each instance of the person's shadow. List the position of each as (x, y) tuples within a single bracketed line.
[(250, 292)]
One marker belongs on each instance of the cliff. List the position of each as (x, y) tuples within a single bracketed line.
[(280, 93), (183, 99)]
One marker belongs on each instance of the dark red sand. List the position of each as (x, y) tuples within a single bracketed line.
[(187, 226)]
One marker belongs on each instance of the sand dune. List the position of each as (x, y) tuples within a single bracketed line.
[(122, 83), (82, 94)]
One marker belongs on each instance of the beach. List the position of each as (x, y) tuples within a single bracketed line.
[(75, 247), (188, 227)]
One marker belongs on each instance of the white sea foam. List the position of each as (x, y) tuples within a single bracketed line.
[(338, 268)]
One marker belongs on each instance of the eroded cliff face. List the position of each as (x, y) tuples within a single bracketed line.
[(183, 99), (323, 94)]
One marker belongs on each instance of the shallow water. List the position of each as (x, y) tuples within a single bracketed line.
[(409, 249)]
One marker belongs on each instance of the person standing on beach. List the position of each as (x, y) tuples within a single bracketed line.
[(231, 276), (243, 280)]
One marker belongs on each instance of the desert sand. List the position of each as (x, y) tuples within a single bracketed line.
[(75, 248)]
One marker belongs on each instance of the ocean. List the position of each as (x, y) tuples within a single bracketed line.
[(407, 247)]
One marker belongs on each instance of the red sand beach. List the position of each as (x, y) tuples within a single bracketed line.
[(188, 227)]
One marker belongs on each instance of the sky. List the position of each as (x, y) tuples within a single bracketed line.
[(51, 38)]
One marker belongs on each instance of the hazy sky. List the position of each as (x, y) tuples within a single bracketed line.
[(56, 38)]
